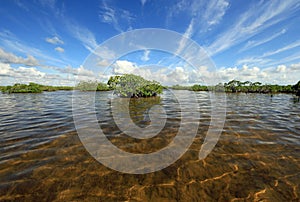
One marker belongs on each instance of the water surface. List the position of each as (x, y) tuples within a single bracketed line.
[(256, 159)]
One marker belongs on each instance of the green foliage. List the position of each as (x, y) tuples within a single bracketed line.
[(31, 88), (86, 86), (255, 87), (91, 86), (217, 88), (197, 87), (55, 88), (130, 85), (236, 86), (23, 88), (296, 88), (178, 87), (102, 87), (232, 86), (112, 82)]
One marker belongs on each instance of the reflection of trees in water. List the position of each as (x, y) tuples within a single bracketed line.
[(296, 88), (139, 109)]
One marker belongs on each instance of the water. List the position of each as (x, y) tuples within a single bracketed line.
[(256, 158)]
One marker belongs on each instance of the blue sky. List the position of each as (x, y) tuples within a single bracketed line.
[(49, 41)]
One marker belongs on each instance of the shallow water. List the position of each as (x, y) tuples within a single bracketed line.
[(257, 157)]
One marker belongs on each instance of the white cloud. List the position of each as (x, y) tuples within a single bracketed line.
[(29, 72), (80, 71), (103, 63), (84, 35), (5, 69), (23, 72), (108, 14), (215, 11), (293, 57), (264, 15), (124, 67), (183, 42), (105, 53), (280, 74), (11, 42), (11, 58), (263, 59), (205, 13), (253, 61), (143, 2), (66, 76), (54, 40), (60, 49), (281, 68), (252, 44), (115, 16), (285, 48), (178, 75), (85, 72), (145, 57), (82, 74), (165, 75), (20, 74), (295, 67), (10, 76)]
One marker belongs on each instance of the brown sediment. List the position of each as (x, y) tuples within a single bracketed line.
[(65, 171), (249, 163)]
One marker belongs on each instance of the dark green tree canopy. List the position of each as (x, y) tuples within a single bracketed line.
[(129, 85), (296, 88), (31, 88)]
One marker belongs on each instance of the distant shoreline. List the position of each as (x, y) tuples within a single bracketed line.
[(233, 86)]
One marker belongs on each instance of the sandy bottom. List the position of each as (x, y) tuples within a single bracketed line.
[(238, 169)]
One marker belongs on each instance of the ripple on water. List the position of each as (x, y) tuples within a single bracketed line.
[(256, 158)]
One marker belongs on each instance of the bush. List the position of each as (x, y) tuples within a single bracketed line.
[(22, 88), (179, 87), (91, 86), (199, 88), (86, 86), (130, 85), (31, 88), (102, 87), (296, 88)]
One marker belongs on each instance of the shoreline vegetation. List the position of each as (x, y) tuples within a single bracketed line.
[(130, 85), (133, 86), (32, 88), (236, 86)]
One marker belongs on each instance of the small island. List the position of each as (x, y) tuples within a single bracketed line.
[(127, 85), (31, 88), (134, 86)]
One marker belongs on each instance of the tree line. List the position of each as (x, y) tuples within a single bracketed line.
[(31, 88), (235, 86), (129, 85)]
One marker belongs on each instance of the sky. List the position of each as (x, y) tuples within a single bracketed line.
[(57, 42)]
